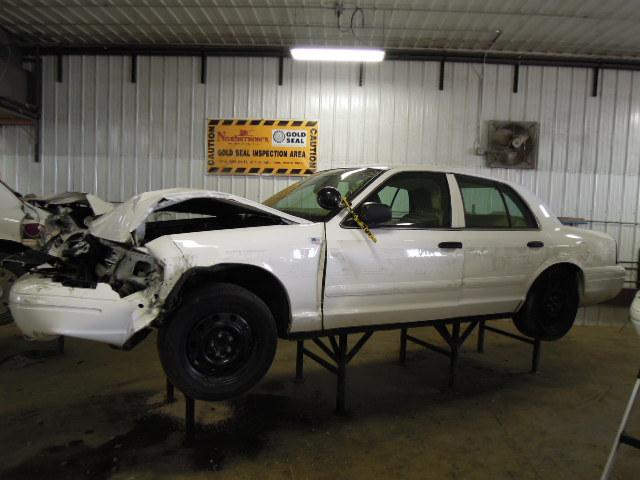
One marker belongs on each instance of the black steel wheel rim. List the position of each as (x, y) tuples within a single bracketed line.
[(554, 301), (219, 344)]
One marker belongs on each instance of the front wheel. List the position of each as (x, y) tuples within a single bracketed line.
[(551, 305), (219, 343)]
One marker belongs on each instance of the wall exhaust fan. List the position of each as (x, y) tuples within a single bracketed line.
[(512, 144)]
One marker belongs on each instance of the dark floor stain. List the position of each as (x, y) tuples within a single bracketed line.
[(55, 448), (158, 440), (27, 358), (77, 460), (248, 432), (273, 385), (155, 441)]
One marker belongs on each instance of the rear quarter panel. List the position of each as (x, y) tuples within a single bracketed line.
[(594, 253)]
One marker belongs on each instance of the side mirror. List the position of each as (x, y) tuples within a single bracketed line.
[(329, 198), (375, 213)]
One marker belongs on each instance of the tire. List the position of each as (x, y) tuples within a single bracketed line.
[(219, 343), (551, 305), (9, 273)]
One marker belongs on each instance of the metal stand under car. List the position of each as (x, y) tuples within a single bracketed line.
[(339, 355), (622, 436), (189, 412), (335, 346)]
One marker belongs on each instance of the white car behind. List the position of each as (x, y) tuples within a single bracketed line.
[(30, 222), (635, 312)]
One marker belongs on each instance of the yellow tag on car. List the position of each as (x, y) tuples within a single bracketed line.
[(363, 226)]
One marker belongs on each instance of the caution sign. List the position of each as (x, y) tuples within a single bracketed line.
[(255, 147)]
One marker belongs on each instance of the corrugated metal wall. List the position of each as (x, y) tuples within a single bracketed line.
[(17, 151), (104, 134)]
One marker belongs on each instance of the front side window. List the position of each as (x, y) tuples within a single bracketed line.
[(416, 200), (490, 205), (397, 199)]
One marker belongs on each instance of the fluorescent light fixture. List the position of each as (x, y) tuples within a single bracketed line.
[(338, 54)]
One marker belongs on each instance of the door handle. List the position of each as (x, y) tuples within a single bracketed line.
[(450, 245), (535, 244)]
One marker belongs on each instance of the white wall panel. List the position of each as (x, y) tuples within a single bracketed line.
[(104, 134), (17, 166)]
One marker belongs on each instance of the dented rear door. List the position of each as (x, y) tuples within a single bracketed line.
[(503, 246)]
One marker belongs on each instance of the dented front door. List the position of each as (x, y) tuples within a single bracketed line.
[(413, 272)]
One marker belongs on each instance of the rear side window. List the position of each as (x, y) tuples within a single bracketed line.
[(490, 205), (519, 213)]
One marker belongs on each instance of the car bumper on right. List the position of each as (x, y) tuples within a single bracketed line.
[(602, 283), (635, 312)]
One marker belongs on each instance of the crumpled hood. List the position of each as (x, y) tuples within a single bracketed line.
[(118, 224), (98, 206)]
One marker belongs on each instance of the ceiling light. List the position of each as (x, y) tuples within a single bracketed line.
[(338, 54)]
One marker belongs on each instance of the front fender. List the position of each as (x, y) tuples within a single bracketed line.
[(172, 261), (291, 253)]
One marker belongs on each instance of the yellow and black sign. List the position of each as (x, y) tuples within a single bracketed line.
[(254, 147)]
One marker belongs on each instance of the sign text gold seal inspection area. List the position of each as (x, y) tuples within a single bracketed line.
[(363, 226)]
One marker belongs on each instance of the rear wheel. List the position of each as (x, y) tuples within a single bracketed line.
[(551, 305), (219, 343), (9, 273)]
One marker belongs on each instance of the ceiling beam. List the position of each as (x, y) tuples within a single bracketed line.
[(456, 56)]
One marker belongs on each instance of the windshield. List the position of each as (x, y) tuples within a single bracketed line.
[(300, 198)]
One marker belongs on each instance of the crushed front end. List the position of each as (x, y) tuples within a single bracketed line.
[(109, 283), (95, 290)]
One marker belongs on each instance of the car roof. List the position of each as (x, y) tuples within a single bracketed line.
[(428, 168)]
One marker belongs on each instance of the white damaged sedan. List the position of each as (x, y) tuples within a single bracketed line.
[(221, 277)]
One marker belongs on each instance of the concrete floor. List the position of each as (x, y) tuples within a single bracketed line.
[(98, 413)]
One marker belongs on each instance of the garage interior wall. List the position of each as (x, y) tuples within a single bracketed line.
[(103, 133)]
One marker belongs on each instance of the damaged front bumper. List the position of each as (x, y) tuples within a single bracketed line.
[(43, 308)]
